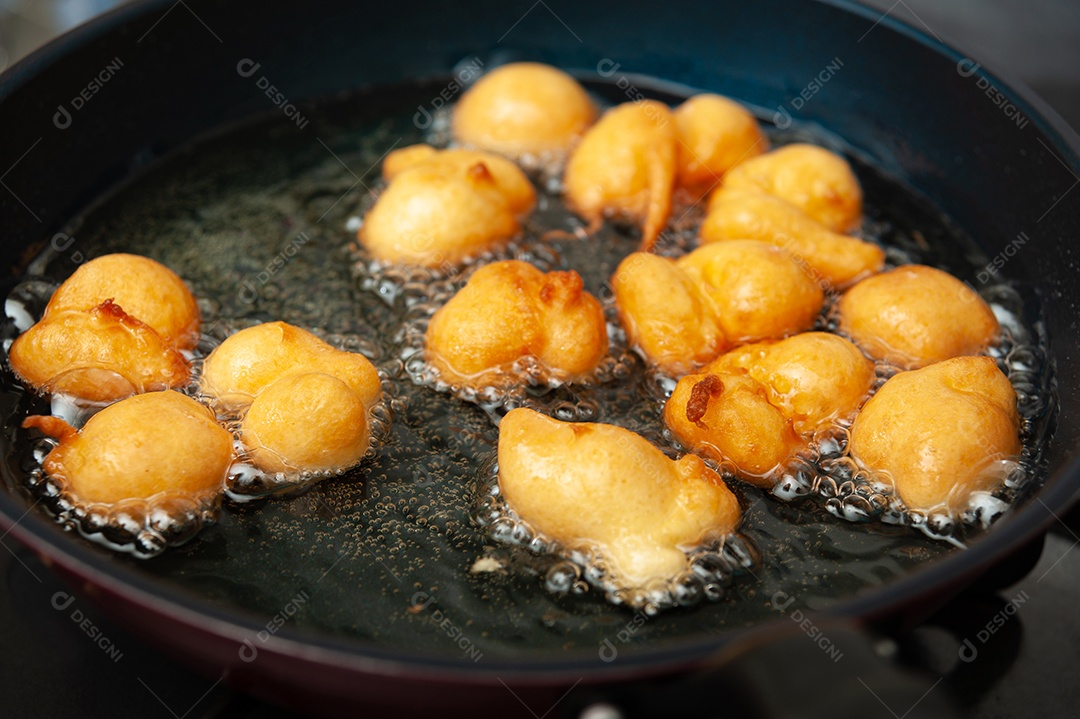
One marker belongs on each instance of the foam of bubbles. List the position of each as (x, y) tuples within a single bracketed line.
[(19, 315), (26, 302), (73, 410)]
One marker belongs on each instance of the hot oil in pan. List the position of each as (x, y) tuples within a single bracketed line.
[(257, 220)]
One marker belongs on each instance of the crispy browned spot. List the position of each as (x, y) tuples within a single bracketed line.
[(566, 286), (110, 309), (480, 173), (710, 386), (580, 429)]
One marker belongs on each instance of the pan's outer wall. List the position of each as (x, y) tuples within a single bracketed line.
[(922, 115)]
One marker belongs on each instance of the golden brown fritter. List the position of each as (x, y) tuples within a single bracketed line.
[(604, 484), (509, 310), (938, 431)]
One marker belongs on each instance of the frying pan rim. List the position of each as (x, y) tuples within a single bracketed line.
[(188, 609)]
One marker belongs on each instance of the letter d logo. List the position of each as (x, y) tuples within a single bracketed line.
[(781, 118), (62, 118), (62, 600)]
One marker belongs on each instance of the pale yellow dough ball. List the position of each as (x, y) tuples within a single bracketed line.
[(759, 405), (916, 315), (146, 290), (445, 207), (306, 423), (99, 355), (508, 179), (938, 431), (818, 182), (758, 291), (727, 416), (714, 135), (683, 313), (666, 314), (813, 378), (624, 168), (509, 310), (140, 447), (606, 485), (524, 108)]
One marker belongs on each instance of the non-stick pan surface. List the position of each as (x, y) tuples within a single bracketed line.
[(282, 595)]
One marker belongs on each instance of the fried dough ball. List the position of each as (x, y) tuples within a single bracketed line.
[(404, 158), (916, 315), (838, 260), (758, 291), (446, 208), (509, 310), (509, 180), (728, 416), (938, 431), (758, 405), (714, 135), (306, 422), (146, 290), (604, 484), (625, 168), (684, 313), (665, 313), (813, 378), (247, 362), (139, 447), (818, 182), (99, 355), (524, 108), (110, 330)]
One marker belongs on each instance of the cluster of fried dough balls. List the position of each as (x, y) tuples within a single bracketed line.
[(524, 110), (683, 313), (306, 402), (510, 310), (838, 260), (138, 448), (917, 315), (714, 134), (602, 484), (113, 329), (941, 432), (442, 207), (758, 405), (629, 163)]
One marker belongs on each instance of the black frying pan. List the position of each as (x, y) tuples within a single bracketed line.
[(248, 598)]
